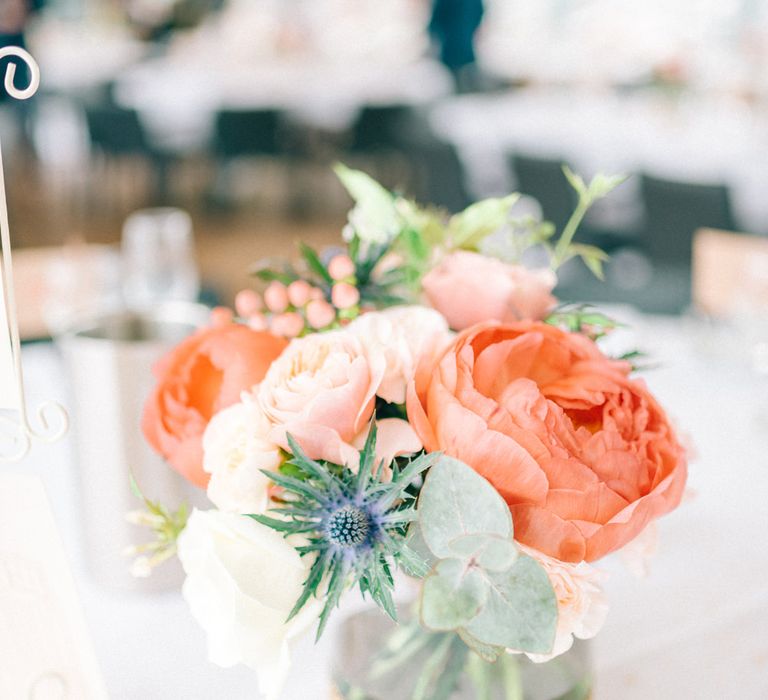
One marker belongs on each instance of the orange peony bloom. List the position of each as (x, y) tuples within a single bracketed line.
[(202, 375), (583, 455)]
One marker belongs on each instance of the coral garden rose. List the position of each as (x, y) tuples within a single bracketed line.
[(582, 453), (199, 377), (469, 288)]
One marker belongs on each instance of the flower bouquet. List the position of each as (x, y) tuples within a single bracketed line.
[(412, 411)]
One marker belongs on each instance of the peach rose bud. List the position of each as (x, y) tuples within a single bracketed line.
[(344, 295), (320, 313), (298, 293), (289, 325), (221, 316), (276, 297), (248, 303), (341, 267)]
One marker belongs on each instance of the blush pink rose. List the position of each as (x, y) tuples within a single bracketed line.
[(200, 376), (322, 391), (583, 454), (469, 288)]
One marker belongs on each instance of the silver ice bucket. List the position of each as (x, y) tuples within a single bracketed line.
[(109, 361)]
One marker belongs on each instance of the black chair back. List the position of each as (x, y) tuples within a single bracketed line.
[(379, 128), (673, 213), (248, 133), (440, 178), (115, 130), (543, 179)]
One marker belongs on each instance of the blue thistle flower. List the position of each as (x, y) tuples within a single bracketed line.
[(354, 522)]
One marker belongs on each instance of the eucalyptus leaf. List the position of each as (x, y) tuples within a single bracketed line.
[(452, 596), (490, 552), (487, 652), (521, 610), (455, 500)]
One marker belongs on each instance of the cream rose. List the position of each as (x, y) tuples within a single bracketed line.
[(242, 581), (581, 604), (236, 447), (322, 390), (401, 335)]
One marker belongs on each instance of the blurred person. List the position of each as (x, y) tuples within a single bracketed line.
[(155, 20), (453, 25)]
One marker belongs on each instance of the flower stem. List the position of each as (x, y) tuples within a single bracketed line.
[(511, 678), (564, 242)]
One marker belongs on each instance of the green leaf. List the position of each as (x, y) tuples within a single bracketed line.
[(575, 181), (314, 263), (415, 556), (592, 256), (468, 228), (375, 206), (491, 552), (452, 596), (521, 611), (274, 276), (454, 501), (602, 185), (487, 652)]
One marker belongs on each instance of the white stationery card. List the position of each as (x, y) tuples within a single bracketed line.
[(45, 649)]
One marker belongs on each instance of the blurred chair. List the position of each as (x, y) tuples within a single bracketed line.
[(116, 132), (438, 175), (674, 211), (260, 134), (379, 140), (378, 128), (241, 133), (543, 179), (730, 270)]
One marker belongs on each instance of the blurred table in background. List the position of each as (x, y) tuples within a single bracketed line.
[(680, 137), (694, 628), (178, 97)]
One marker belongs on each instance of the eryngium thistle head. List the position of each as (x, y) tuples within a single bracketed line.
[(349, 526), (354, 523)]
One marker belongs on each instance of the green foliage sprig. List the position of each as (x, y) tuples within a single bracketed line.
[(479, 584)]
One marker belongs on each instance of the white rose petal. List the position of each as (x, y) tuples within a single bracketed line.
[(242, 581), (581, 604), (401, 334), (236, 448)]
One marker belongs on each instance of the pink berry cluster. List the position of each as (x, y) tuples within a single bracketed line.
[(289, 310)]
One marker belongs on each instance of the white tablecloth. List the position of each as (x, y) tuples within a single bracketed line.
[(694, 628)]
